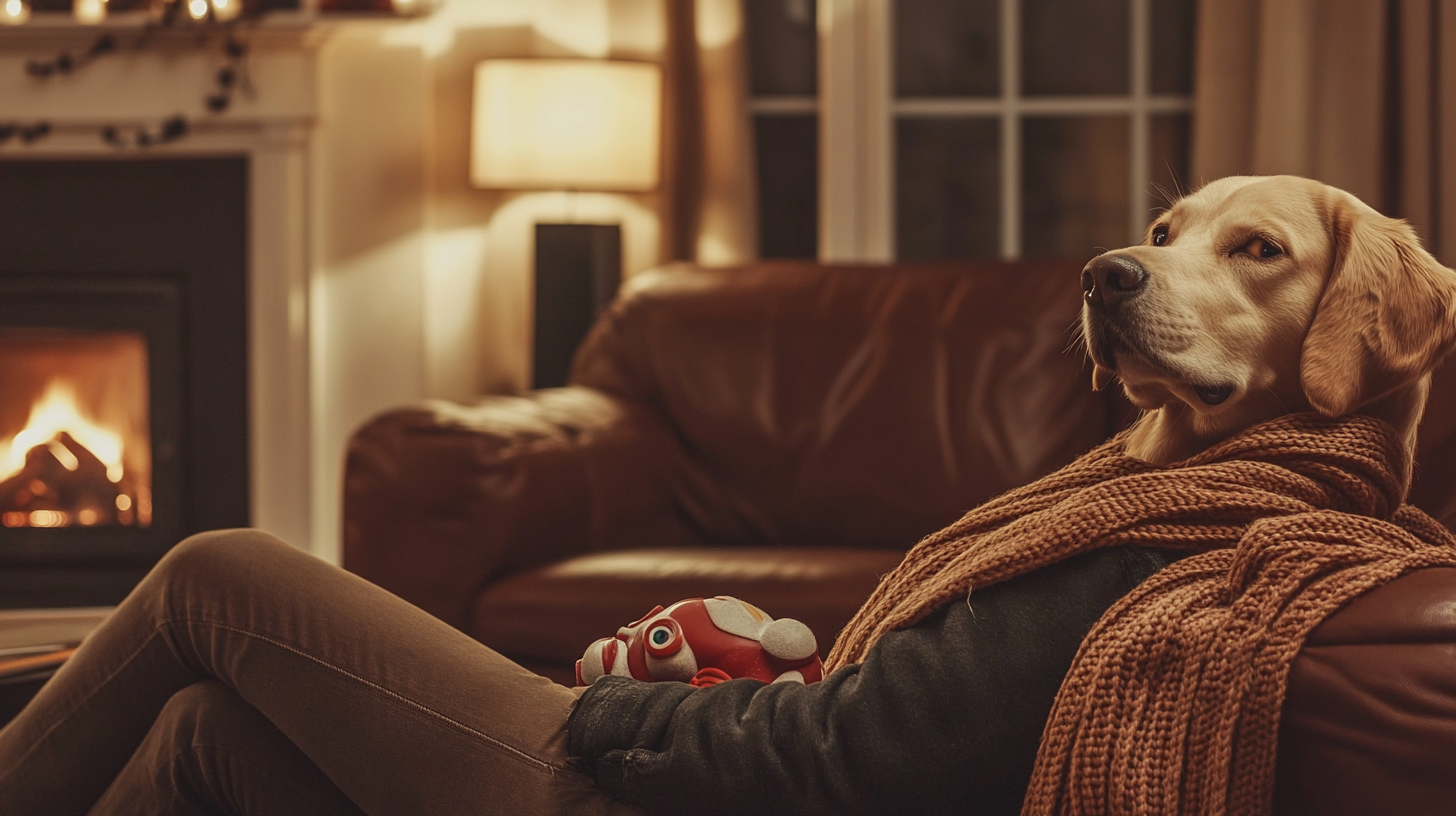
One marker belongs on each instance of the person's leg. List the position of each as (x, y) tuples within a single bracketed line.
[(402, 712), (209, 753)]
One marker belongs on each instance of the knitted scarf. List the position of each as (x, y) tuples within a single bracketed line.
[(1172, 704)]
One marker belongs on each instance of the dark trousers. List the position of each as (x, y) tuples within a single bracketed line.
[(244, 676)]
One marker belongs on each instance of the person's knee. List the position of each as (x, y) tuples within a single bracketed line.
[(206, 561), (202, 730), (201, 715), (214, 555)]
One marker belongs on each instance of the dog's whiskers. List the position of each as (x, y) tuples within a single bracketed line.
[(1076, 341)]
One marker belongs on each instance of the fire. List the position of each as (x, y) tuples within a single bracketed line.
[(75, 441), (56, 413)]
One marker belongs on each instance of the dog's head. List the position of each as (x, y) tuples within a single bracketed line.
[(1260, 296)]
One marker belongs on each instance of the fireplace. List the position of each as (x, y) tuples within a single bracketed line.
[(123, 369)]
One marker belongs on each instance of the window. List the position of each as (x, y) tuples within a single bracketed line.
[(784, 81), (952, 128)]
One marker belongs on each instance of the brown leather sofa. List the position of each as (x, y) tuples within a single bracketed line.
[(783, 433)]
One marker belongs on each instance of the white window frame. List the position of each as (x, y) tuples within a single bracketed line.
[(857, 113)]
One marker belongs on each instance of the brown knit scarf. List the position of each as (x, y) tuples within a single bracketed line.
[(1172, 704)]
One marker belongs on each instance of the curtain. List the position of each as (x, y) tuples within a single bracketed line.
[(1358, 94), (709, 205)]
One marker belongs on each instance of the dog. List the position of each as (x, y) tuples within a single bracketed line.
[(1258, 296)]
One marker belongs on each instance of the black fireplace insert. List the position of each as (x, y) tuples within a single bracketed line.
[(123, 369)]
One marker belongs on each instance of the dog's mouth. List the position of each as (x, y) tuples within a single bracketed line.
[(1107, 344)]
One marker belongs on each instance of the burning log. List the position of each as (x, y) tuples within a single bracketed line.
[(62, 484)]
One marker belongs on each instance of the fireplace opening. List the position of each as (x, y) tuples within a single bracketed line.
[(123, 369), (75, 446)]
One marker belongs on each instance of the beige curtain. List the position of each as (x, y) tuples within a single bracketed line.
[(1356, 93), (709, 204)]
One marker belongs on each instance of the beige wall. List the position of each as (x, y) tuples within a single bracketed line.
[(422, 284), (477, 276)]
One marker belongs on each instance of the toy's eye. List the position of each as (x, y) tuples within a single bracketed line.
[(664, 638)]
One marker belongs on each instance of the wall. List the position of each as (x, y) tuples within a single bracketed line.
[(422, 284), (479, 278), (366, 295)]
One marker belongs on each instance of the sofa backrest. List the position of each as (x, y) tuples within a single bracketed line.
[(853, 405)]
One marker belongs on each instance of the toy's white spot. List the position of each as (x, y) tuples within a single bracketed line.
[(788, 639), (732, 616)]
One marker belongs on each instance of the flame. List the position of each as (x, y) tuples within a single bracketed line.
[(54, 413)]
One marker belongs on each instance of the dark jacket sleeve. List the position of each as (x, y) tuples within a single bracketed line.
[(943, 717)]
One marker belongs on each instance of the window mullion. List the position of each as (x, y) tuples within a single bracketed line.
[(1139, 147), (1011, 129)]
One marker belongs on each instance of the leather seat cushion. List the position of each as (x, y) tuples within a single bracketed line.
[(550, 615)]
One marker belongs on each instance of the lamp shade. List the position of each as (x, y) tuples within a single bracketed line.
[(565, 124)]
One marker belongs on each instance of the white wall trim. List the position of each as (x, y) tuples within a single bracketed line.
[(856, 161)]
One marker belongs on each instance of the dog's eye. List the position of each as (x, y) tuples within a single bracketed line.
[(1160, 235), (1261, 248)]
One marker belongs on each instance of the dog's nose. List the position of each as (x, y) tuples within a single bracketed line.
[(1111, 277)]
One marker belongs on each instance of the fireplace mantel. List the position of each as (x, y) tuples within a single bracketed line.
[(274, 128)]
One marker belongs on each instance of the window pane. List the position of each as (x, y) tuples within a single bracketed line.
[(788, 185), (947, 48), (1074, 185), (783, 50), (1168, 154), (1074, 47), (1172, 54), (947, 188)]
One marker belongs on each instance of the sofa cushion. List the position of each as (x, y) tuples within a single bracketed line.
[(549, 616)]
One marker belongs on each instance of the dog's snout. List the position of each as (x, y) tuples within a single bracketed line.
[(1110, 278)]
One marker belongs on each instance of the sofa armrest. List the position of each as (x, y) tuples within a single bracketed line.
[(1368, 722), (441, 498)]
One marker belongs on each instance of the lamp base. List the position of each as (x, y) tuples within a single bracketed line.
[(578, 270)]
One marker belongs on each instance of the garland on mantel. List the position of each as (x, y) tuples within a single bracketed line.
[(28, 134), (227, 80)]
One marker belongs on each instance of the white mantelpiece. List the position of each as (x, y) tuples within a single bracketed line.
[(273, 128)]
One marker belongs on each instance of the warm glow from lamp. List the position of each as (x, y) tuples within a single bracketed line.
[(565, 124), (226, 10), (197, 9), (14, 12), (89, 12)]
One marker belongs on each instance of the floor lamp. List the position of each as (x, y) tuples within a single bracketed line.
[(567, 124)]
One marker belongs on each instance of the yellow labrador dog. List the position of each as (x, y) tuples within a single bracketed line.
[(1265, 295)]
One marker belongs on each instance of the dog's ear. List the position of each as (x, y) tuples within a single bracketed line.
[(1387, 316)]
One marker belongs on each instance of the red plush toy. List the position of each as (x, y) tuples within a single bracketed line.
[(704, 641)]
